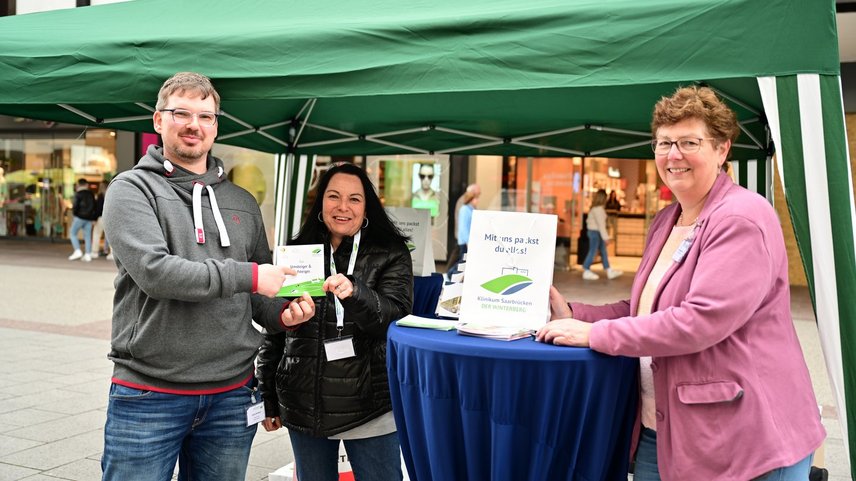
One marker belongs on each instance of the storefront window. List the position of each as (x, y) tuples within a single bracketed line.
[(565, 187), (38, 172)]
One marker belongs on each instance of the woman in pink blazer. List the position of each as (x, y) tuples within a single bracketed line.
[(725, 392)]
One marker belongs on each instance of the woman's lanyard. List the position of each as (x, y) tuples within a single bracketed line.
[(340, 311)]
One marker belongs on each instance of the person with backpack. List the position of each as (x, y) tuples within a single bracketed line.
[(84, 211)]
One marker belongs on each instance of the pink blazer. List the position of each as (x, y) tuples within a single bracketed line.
[(733, 394)]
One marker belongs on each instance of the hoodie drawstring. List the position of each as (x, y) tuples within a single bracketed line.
[(197, 215), (218, 218)]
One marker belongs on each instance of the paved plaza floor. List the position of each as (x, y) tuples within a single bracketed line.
[(55, 375)]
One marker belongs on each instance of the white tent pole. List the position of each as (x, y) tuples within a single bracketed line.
[(281, 198)]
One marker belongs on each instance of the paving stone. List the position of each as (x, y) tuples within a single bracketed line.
[(272, 452), (80, 403), (9, 472), (28, 417), (62, 428), (11, 443), (7, 427), (92, 387), (82, 469), (43, 477), (255, 473), (58, 453)]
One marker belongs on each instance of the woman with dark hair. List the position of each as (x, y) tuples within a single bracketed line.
[(326, 380)]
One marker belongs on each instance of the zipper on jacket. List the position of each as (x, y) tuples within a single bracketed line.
[(319, 364)]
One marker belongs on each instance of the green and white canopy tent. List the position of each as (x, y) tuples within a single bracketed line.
[(502, 77)]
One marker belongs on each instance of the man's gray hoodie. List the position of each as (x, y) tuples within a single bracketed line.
[(183, 304)]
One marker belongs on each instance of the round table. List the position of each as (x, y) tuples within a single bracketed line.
[(477, 409)]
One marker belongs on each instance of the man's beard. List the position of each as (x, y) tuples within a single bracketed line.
[(189, 154)]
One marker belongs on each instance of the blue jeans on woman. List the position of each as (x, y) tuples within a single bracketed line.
[(596, 243), (372, 459), (646, 463), (147, 431)]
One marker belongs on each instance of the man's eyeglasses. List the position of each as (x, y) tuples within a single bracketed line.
[(183, 117), (686, 145), (426, 176)]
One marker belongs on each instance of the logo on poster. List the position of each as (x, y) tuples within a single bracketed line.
[(513, 280)]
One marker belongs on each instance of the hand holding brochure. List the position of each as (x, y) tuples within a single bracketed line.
[(502, 333), (308, 261)]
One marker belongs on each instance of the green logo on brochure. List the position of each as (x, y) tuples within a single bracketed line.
[(316, 251), (313, 287), (507, 284), (411, 246)]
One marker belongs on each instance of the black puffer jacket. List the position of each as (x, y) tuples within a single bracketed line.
[(322, 398)]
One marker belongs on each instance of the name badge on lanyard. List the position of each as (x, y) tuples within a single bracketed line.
[(682, 249), (342, 347)]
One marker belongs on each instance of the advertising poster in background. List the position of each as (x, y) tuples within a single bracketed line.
[(426, 187), (416, 224), (509, 269)]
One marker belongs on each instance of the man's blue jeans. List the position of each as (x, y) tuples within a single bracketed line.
[(76, 224), (147, 431), (372, 459)]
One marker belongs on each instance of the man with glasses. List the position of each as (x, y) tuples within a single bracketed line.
[(425, 197), (194, 272)]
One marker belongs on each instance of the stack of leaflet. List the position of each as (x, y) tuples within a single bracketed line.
[(500, 333)]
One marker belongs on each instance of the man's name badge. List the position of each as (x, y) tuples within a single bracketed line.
[(255, 413), (340, 348)]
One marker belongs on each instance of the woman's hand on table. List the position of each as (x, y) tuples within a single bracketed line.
[(565, 332), (559, 308)]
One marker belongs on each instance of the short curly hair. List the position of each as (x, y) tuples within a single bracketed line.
[(187, 82), (699, 103)]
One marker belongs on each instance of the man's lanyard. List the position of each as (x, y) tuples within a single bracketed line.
[(340, 311)]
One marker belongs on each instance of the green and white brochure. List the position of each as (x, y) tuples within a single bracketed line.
[(308, 261)]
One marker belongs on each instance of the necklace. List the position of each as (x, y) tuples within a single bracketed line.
[(681, 221)]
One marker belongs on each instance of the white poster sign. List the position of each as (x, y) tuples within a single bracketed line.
[(509, 269), (416, 224)]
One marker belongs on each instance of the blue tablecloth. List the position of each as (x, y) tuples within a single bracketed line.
[(478, 409)]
